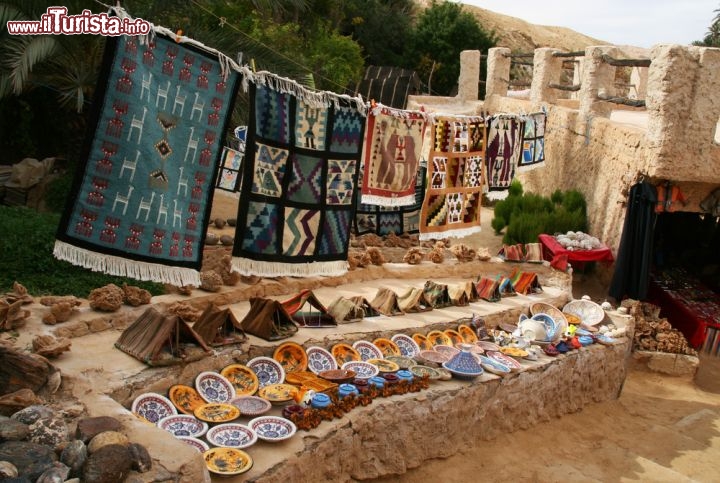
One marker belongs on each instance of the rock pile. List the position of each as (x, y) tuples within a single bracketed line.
[(653, 333)]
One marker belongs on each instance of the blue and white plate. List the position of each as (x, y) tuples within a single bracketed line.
[(196, 443), (153, 407), (183, 425), (213, 387), (268, 370), (320, 360), (363, 370), (368, 350), (231, 435), (272, 428), (408, 347), (551, 327), (491, 365)]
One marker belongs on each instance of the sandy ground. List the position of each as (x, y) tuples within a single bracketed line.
[(662, 428)]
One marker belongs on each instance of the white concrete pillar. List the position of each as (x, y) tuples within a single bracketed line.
[(469, 75), (498, 72), (546, 70), (598, 77)]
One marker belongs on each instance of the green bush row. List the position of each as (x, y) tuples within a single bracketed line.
[(527, 215), (26, 244)]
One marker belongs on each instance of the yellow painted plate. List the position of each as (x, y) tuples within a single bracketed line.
[(242, 378), (513, 352), (344, 353), (185, 398), (217, 412), (384, 365), (422, 342), (291, 356), (438, 337), (227, 461), (387, 347), (454, 336), (278, 393), (467, 333)]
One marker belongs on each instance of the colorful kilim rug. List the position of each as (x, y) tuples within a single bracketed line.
[(141, 200), (391, 156), (383, 220), (504, 147), (455, 171), (533, 153), (229, 176), (299, 180)]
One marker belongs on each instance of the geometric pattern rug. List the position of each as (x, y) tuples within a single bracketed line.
[(455, 171), (533, 154), (504, 150), (142, 195), (298, 184)]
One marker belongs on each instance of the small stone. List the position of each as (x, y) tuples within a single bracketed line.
[(12, 430), (15, 401), (232, 221), (140, 457), (30, 459), (107, 438), (210, 281), (212, 239), (74, 456), (88, 428), (109, 464), (32, 413), (49, 431), (219, 223), (7, 470), (227, 240), (136, 296), (57, 474)]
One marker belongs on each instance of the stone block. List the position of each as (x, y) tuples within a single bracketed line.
[(88, 428), (671, 364)]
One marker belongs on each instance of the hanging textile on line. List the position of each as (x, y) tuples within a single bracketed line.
[(533, 142), (504, 148), (140, 203)]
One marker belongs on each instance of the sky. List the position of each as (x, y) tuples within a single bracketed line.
[(642, 23)]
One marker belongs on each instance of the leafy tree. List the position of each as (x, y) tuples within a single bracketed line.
[(712, 37), (442, 32)]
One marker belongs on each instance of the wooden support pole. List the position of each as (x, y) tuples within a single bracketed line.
[(623, 100), (577, 53), (574, 87), (626, 62)]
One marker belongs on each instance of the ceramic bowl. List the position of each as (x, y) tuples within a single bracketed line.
[(338, 376), (251, 405), (432, 357), (367, 350), (363, 370), (387, 347), (320, 360), (587, 311), (196, 443), (153, 407), (231, 435), (402, 361), (213, 387), (272, 428), (291, 356), (227, 461), (183, 425), (268, 370), (407, 345), (447, 350)]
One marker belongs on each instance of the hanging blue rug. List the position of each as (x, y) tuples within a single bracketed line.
[(299, 181), (141, 198)]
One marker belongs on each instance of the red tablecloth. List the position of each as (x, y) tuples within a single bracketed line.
[(552, 249)]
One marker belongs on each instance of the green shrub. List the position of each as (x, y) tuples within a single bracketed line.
[(557, 197), (515, 189), (574, 201), (525, 227), (26, 245)]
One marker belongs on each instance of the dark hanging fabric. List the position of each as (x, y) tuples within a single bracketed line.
[(632, 267)]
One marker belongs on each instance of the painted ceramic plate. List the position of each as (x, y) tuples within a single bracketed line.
[(185, 398), (514, 352), (455, 336), (504, 360), (438, 337), (183, 425), (363, 370), (214, 387), (196, 443), (343, 353), (487, 346), (231, 435), (467, 333), (446, 350), (152, 407), (338, 376), (402, 361), (367, 350), (291, 356), (272, 428), (471, 347), (407, 345), (422, 371), (242, 378), (217, 412), (588, 311), (434, 357), (227, 461), (551, 326), (268, 370), (320, 360), (491, 365), (384, 365), (387, 347), (278, 393), (422, 342), (251, 405)]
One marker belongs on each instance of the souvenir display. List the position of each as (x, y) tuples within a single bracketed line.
[(587, 311), (272, 428), (338, 376), (402, 361), (152, 407), (407, 345), (454, 336), (183, 425), (227, 461), (267, 370), (464, 365), (438, 337), (214, 387), (446, 350), (363, 370), (422, 342), (217, 412), (367, 350), (200, 445), (320, 360), (387, 347), (185, 398), (467, 334), (432, 357), (231, 435), (298, 378), (504, 360), (291, 356), (422, 371), (242, 378), (514, 352), (491, 365), (278, 393), (251, 405), (344, 353), (384, 365), (487, 346)]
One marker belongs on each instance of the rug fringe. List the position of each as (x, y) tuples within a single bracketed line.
[(246, 266), (378, 200), (457, 233), (529, 167), (123, 267)]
